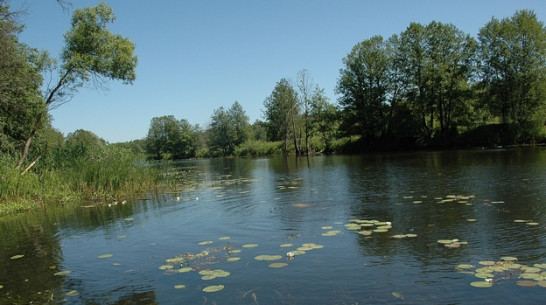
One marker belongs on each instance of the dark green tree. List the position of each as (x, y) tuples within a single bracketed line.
[(20, 81), (512, 55), (281, 107), (364, 85), (435, 63), (323, 117), (163, 137), (228, 129)]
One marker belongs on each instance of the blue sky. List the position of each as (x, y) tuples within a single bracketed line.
[(197, 55)]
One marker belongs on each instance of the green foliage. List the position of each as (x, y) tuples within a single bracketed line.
[(169, 138), (228, 129), (280, 108), (259, 148), (364, 85), (20, 82), (91, 49), (513, 54)]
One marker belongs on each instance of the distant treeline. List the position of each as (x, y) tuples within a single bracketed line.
[(429, 86)]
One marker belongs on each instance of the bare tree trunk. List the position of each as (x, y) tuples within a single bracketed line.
[(25, 150)]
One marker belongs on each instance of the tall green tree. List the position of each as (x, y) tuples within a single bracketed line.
[(281, 108), (91, 53), (228, 129), (20, 82), (513, 62), (449, 69), (323, 117), (436, 65), (364, 85), (305, 87), (164, 136)]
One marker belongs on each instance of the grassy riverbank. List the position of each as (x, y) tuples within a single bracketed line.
[(110, 174)]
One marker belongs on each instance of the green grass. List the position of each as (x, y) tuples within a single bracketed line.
[(108, 174)]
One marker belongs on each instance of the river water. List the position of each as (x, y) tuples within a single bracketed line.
[(363, 230)]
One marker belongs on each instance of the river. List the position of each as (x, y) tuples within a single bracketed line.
[(399, 228)]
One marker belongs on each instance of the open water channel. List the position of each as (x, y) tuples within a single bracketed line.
[(405, 228)]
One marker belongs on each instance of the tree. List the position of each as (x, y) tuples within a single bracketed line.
[(449, 68), (364, 85), (228, 129), (305, 86), (163, 137), (91, 53), (323, 117), (20, 83), (280, 109), (513, 64), (436, 65)]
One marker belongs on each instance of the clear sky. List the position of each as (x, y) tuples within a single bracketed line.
[(198, 55)]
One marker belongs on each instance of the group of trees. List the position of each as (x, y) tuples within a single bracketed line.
[(431, 83), (293, 117)]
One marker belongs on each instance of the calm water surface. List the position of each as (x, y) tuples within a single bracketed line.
[(114, 254)]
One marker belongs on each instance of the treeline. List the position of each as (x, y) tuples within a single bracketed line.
[(429, 86)]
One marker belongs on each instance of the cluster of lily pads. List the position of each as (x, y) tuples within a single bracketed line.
[(201, 262), (463, 199), (506, 268), (452, 243)]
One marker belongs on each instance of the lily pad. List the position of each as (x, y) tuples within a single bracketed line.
[(235, 251), (326, 227), (206, 242), (233, 259), (208, 277), (286, 245), (72, 293), (277, 265), (224, 238), (464, 266), (165, 267), (179, 286), (481, 284), (487, 263), (509, 258), (18, 256), (398, 295), (268, 257), (365, 232), (331, 233), (213, 288), (532, 223), (185, 269), (250, 245), (105, 256), (541, 284), (60, 273), (532, 269), (526, 283)]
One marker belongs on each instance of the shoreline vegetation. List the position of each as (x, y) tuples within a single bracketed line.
[(430, 87)]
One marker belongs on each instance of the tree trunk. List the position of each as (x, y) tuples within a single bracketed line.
[(25, 150)]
